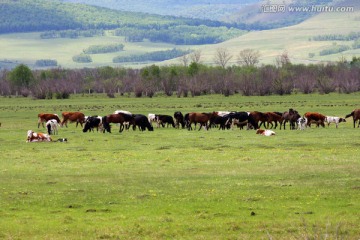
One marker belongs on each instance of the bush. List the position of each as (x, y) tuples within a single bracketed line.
[(82, 58), (46, 63)]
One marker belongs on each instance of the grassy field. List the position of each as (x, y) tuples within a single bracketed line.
[(179, 184)]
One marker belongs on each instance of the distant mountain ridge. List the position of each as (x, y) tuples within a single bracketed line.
[(203, 9)]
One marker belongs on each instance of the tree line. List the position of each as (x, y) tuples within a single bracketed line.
[(185, 80)]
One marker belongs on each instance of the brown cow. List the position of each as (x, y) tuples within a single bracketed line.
[(44, 117), (356, 116), (314, 117), (202, 118), (77, 117)]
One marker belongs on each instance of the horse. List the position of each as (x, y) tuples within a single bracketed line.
[(117, 118), (356, 116), (273, 117), (179, 119), (202, 118), (291, 116)]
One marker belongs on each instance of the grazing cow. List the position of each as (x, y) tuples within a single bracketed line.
[(179, 119), (243, 118), (222, 113), (201, 118), (120, 118), (265, 132), (93, 122), (165, 119), (37, 137), (356, 116), (77, 117), (336, 120), (152, 118), (314, 117), (52, 126), (301, 122), (44, 117), (291, 116), (142, 122)]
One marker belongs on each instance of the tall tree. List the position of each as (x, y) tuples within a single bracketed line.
[(222, 57), (248, 57), (21, 76)]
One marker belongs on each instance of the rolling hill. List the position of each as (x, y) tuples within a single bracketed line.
[(298, 40)]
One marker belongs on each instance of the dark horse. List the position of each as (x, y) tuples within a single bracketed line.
[(201, 118), (356, 116), (291, 116), (120, 118)]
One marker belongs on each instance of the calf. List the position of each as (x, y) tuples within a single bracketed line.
[(37, 137), (52, 126), (336, 120), (265, 132)]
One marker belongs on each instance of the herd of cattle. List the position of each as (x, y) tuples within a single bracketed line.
[(221, 119)]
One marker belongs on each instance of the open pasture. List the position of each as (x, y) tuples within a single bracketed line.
[(180, 184)]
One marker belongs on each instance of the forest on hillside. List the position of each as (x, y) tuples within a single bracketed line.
[(184, 80), (57, 19)]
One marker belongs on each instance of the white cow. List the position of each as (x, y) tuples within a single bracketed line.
[(52, 126), (336, 120)]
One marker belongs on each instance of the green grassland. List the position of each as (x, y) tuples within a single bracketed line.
[(180, 184)]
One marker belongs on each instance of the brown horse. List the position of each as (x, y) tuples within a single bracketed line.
[(120, 118), (356, 116), (202, 118), (259, 117), (273, 117)]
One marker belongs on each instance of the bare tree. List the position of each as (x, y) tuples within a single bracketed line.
[(184, 60), (222, 57), (195, 56), (283, 59), (248, 57)]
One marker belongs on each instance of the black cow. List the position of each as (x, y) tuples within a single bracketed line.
[(91, 123), (165, 119), (179, 119), (142, 122), (241, 117)]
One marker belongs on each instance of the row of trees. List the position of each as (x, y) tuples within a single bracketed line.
[(194, 79)]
